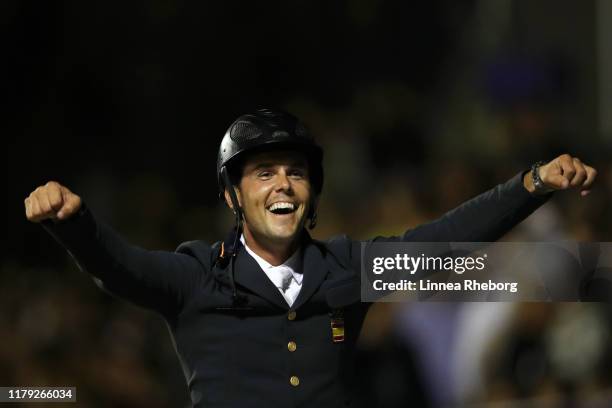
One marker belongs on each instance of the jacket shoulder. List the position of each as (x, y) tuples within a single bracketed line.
[(204, 253), (340, 245), (338, 241)]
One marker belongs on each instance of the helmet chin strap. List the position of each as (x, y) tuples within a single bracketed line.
[(313, 219), (233, 198), (312, 214), (238, 218)]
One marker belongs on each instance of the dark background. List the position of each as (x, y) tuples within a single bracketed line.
[(419, 106)]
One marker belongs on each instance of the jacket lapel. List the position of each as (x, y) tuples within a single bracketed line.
[(314, 268), (249, 274)]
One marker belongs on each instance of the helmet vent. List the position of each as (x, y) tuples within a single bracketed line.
[(243, 131), (301, 131), (268, 113), (280, 134)]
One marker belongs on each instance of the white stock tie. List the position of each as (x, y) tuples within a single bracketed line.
[(289, 287), (287, 277)]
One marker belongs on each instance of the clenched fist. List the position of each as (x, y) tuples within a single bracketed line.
[(563, 173), (51, 201)]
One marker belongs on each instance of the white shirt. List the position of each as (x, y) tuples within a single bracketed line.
[(291, 268)]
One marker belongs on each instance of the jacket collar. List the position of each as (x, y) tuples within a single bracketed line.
[(249, 274)]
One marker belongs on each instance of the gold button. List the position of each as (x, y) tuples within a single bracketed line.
[(294, 381), (291, 346), (291, 315)]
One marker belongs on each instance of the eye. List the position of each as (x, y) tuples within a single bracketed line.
[(297, 173), (264, 174)]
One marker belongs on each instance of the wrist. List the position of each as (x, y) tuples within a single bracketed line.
[(533, 183)]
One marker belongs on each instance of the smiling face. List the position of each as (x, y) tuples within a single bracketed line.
[(275, 196)]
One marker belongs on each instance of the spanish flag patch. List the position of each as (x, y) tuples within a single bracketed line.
[(337, 326)]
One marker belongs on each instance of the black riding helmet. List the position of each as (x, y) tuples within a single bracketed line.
[(265, 130)]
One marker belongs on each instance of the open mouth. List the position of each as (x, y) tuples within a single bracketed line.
[(282, 207)]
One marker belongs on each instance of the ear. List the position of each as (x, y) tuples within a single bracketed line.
[(312, 213), (314, 204)]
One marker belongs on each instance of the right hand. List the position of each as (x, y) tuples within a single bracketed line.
[(51, 201)]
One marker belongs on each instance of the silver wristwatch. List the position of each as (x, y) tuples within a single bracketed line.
[(538, 184)]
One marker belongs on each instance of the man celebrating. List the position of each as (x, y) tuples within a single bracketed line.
[(270, 315)]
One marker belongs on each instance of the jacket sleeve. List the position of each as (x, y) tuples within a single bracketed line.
[(484, 218), (158, 280)]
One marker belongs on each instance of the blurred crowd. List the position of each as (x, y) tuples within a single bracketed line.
[(411, 128)]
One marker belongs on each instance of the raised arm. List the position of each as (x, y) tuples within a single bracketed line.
[(158, 280), (488, 216)]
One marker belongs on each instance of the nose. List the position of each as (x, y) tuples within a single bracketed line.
[(283, 183)]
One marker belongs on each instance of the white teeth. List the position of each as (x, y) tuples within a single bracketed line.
[(282, 205)]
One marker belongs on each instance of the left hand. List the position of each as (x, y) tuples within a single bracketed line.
[(563, 173)]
